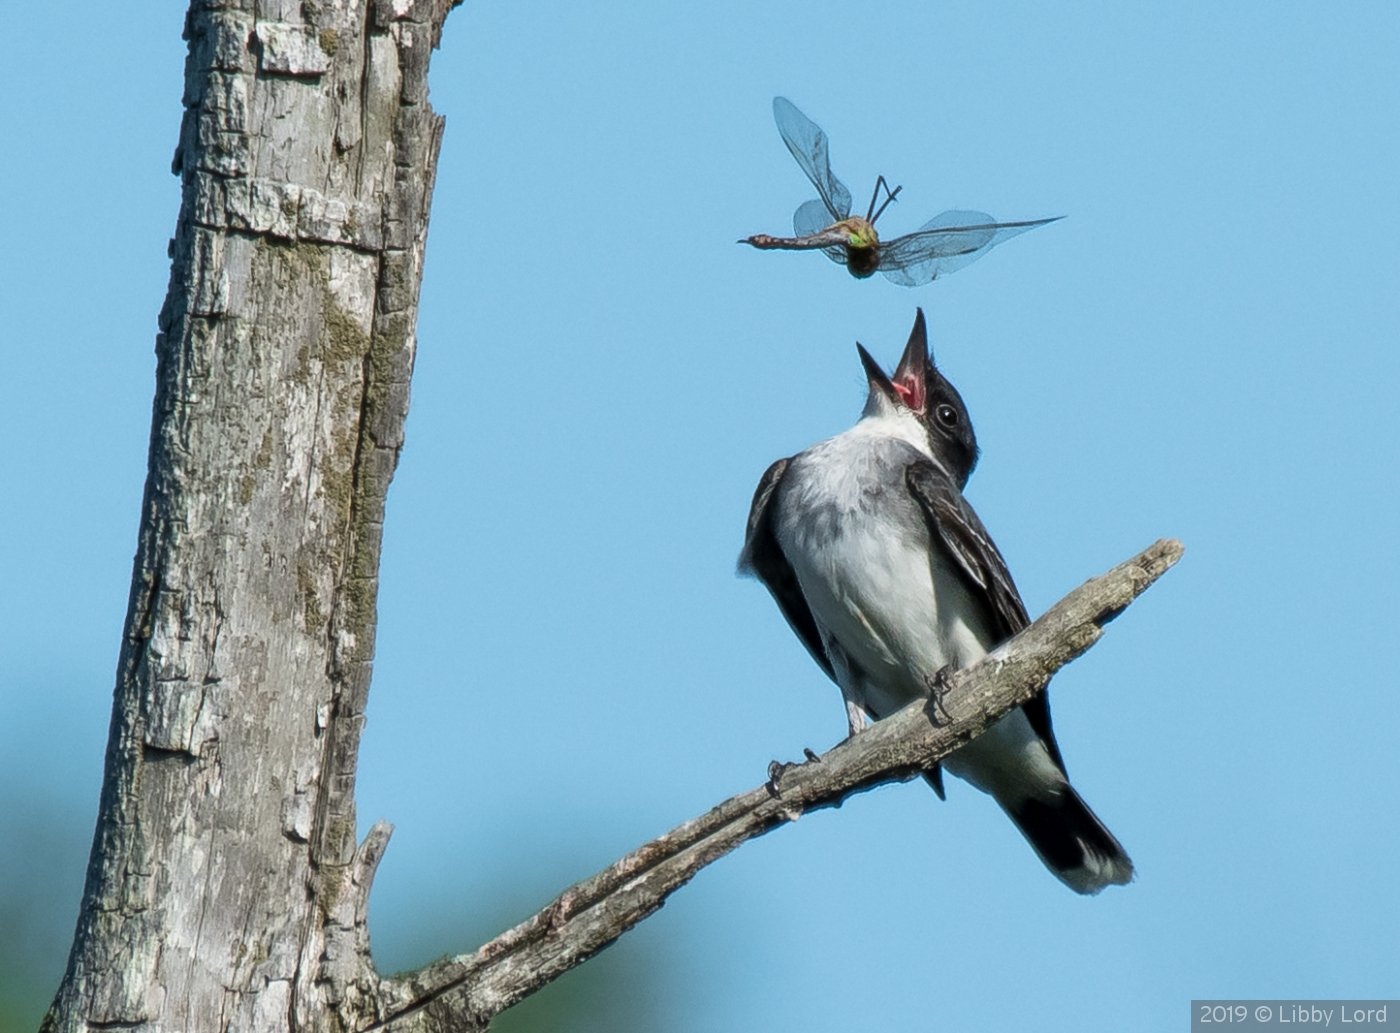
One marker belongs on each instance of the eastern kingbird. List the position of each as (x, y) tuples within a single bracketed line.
[(887, 576)]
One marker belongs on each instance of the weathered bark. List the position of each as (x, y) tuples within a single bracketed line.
[(225, 888)]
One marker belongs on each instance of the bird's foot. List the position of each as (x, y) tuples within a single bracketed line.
[(938, 687), (777, 769)]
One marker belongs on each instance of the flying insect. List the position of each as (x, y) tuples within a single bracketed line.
[(945, 243)]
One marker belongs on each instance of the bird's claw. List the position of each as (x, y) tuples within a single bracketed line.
[(777, 769), (938, 687)]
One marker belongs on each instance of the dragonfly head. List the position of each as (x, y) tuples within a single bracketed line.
[(862, 246)]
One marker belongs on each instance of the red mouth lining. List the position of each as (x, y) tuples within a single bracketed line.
[(911, 392)]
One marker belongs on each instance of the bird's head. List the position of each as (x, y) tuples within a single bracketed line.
[(919, 390)]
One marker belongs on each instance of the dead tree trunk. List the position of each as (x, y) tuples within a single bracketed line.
[(226, 889)]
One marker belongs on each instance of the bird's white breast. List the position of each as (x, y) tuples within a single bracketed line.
[(889, 602), (860, 548)]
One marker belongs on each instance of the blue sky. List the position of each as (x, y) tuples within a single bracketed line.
[(1205, 347)]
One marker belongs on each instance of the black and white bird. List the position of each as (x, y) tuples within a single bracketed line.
[(887, 576)]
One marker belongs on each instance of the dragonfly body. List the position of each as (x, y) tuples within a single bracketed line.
[(943, 244), (855, 235)]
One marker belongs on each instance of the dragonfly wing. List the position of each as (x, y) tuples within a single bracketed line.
[(807, 142), (945, 244), (811, 218)]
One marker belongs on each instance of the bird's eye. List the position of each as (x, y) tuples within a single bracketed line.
[(947, 415)]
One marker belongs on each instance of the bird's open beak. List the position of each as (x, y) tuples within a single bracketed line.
[(877, 376), (910, 376)]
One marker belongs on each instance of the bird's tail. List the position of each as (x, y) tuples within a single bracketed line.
[(1071, 840)]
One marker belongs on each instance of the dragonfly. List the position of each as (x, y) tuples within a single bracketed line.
[(945, 243)]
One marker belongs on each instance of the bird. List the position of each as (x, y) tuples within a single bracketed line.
[(887, 576)]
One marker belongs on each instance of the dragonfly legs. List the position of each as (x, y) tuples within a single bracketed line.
[(870, 213)]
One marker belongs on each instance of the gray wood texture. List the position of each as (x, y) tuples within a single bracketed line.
[(226, 890)]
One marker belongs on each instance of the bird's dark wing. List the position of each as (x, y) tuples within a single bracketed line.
[(763, 558), (952, 522), (807, 142)]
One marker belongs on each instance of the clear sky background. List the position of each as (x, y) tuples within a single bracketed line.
[(1206, 348)]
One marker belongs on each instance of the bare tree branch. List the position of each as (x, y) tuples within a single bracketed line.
[(466, 991)]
